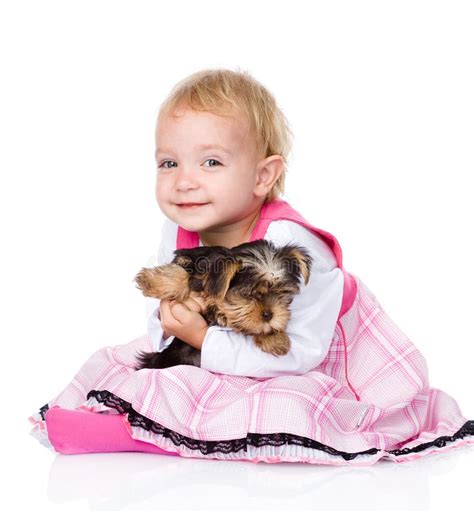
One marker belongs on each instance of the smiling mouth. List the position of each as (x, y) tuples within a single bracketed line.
[(190, 205)]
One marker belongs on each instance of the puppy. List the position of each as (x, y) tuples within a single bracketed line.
[(248, 288)]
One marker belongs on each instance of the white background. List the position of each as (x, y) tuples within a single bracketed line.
[(379, 95)]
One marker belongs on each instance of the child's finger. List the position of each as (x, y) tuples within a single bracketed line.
[(200, 301), (166, 315), (180, 312), (196, 296), (164, 308), (194, 304)]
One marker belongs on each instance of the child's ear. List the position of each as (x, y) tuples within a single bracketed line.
[(268, 172), (221, 270)]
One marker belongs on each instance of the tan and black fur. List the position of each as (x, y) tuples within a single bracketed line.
[(248, 288)]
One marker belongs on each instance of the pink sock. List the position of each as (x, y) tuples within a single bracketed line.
[(80, 431)]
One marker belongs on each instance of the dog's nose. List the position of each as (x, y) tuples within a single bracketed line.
[(267, 315)]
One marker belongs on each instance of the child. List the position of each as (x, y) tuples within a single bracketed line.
[(353, 388), (236, 159)]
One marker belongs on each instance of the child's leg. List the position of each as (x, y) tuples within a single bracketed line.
[(79, 431)]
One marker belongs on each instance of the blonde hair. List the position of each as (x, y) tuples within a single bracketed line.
[(225, 92)]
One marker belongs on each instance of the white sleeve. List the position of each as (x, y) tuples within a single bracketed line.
[(165, 255), (155, 331), (314, 313)]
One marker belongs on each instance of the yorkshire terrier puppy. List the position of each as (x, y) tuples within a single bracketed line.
[(248, 288)]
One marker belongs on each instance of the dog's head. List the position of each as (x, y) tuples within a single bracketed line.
[(251, 285), (265, 283)]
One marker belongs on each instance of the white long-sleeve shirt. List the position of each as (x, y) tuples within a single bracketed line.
[(314, 311)]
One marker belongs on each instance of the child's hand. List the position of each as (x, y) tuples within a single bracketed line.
[(183, 320)]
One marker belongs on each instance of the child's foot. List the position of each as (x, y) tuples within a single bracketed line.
[(79, 431)]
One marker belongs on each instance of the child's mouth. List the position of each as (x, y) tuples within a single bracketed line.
[(190, 206)]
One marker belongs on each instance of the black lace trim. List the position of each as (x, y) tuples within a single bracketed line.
[(252, 439), (43, 410)]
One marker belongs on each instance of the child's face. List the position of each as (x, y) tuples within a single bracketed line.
[(225, 181)]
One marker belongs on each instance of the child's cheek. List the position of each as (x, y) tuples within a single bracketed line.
[(162, 188)]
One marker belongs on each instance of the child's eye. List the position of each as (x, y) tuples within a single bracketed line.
[(165, 162), (213, 160), (172, 162)]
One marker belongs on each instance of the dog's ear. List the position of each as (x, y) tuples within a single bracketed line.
[(220, 271), (298, 260), (184, 258)]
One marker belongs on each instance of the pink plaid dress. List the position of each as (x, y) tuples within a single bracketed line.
[(369, 399)]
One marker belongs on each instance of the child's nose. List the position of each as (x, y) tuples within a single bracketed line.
[(186, 178)]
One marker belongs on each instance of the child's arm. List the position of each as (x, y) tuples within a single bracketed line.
[(191, 326), (314, 313), (160, 340), (165, 254)]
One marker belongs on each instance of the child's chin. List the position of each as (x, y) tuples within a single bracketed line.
[(193, 225), (194, 222)]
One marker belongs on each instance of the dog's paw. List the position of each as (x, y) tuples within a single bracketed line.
[(168, 281), (277, 344), (144, 281)]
